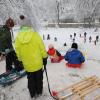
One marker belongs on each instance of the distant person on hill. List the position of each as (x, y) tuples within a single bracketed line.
[(80, 35), (97, 38), (55, 39), (73, 40), (85, 34), (90, 39), (74, 35), (74, 57), (95, 42), (43, 37), (55, 56), (48, 37), (65, 44), (70, 36)]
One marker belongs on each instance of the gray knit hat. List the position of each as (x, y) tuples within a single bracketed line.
[(24, 21)]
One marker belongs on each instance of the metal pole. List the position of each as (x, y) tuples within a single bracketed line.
[(58, 12)]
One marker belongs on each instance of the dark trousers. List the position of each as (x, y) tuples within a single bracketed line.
[(11, 59), (35, 82)]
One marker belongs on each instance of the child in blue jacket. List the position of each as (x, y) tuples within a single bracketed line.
[(74, 57)]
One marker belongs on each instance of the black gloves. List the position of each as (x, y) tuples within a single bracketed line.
[(44, 61)]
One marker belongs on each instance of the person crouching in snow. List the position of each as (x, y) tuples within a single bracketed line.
[(55, 56), (74, 57)]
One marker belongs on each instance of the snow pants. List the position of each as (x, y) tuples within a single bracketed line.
[(11, 59), (35, 82)]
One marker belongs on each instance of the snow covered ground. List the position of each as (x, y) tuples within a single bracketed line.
[(58, 73)]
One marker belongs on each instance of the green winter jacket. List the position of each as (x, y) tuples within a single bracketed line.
[(5, 39), (30, 49)]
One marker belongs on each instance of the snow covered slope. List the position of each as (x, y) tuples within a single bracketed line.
[(58, 73)]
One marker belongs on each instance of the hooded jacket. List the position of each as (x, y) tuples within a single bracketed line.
[(74, 56), (30, 49)]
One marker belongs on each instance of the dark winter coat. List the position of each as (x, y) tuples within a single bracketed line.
[(5, 39)]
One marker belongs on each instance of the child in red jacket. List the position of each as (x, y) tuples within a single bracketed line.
[(55, 56)]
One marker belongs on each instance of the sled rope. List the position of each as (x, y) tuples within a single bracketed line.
[(49, 84)]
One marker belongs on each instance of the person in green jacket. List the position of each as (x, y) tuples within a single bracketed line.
[(6, 47), (31, 51)]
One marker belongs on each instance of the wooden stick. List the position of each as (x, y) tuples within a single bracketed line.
[(87, 91), (89, 80), (80, 88), (75, 97), (66, 96), (83, 86), (86, 85)]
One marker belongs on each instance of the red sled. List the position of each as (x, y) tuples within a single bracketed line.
[(73, 65), (54, 60)]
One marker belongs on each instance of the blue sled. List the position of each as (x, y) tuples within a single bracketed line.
[(9, 78)]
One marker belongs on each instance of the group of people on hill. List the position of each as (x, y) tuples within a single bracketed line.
[(85, 38), (30, 53)]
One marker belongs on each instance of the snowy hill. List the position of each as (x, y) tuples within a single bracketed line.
[(58, 73)]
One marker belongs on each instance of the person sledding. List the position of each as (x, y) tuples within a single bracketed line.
[(55, 56), (74, 57)]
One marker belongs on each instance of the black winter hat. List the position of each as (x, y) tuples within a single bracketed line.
[(74, 45)]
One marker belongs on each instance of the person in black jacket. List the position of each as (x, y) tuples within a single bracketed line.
[(85, 34), (6, 46), (97, 38)]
